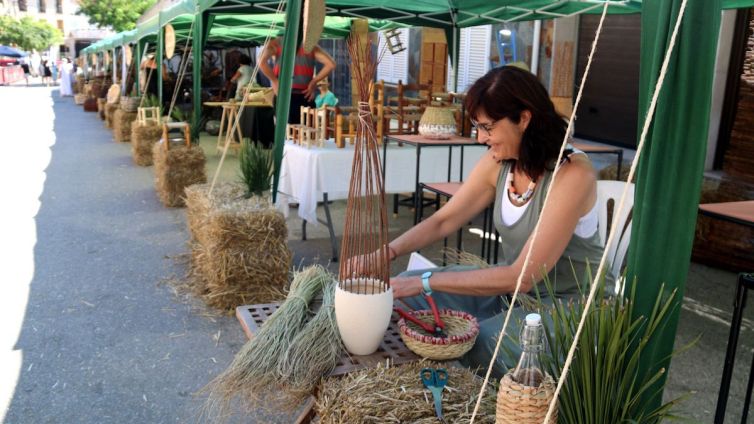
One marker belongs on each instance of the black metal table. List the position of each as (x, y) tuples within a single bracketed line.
[(740, 213), (420, 142)]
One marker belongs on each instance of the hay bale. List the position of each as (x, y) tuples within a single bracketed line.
[(176, 169), (396, 395), (122, 125), (143, 138), (110, 109), (239, 249), (609, 172)]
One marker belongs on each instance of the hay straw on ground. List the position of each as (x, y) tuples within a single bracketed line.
[(176, 169), (122, 125), (110, 113), (143, 139), (239, 250), (396, 395)]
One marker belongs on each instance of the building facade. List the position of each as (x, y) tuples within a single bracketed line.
[(77, 31)]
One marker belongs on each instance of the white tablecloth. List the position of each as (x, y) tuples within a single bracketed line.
[(308, 173)]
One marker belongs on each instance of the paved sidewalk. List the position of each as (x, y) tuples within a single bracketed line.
[(101, 340)]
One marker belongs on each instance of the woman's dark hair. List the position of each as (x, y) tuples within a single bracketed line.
[(244, 59), (507, 91)]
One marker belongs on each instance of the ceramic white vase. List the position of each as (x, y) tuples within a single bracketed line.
[(362, 311)]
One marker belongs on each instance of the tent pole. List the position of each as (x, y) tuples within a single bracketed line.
[(199, 21), (292, 20), (136, 60), (158, 60)]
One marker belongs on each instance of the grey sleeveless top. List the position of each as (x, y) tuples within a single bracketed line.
[(571, 268)]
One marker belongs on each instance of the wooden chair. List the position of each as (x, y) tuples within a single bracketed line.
[(406, 110), (307, 131), (346, 118), (145, 115)]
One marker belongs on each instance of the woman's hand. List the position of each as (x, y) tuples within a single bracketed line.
[(310, 90), (405, 286), (274, 86)]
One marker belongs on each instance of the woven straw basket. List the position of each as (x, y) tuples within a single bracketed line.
[(79, 99), (461, 328), (437, 123), (519, 404)]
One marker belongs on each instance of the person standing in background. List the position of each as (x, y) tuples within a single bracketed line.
[(304, 86), (66, 78)]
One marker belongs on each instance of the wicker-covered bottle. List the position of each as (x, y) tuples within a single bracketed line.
[(526, 392)]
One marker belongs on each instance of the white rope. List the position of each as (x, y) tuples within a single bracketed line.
[(535, 233), (233, 128), (182, 68), (619, 210)]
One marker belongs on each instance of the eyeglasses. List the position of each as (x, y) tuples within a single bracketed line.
[(484, 127)]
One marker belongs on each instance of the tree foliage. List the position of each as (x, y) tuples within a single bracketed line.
[(121, 15), (28, 33)]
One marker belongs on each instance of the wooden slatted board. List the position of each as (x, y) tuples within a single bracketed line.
[(391, 349)]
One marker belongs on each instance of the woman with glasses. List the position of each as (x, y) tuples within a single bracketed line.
[(515, 118)]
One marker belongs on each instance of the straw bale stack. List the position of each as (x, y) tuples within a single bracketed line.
[(175, 169), (122, 125), (239, 250), (396, 395), (110, 109), (143, 138)]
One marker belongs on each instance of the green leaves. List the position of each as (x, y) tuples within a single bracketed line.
[(121, 15), (256, 168), (28, 33), (604, 383)]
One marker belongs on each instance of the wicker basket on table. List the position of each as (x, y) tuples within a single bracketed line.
[(519, 404), (461, 329)]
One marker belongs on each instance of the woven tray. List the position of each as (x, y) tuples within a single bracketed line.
[(391, 348)]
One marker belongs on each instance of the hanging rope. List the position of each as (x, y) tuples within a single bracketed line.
[(621, 205), (535, 233), (182, 67), (233, 128)]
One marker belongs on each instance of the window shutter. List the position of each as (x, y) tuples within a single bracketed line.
[(473, 56), (393, 67)]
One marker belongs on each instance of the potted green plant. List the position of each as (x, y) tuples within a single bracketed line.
[(603, 384)]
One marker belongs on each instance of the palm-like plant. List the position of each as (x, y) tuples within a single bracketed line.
[(256, 168)]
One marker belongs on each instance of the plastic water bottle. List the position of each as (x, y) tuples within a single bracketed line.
[(529, 371)]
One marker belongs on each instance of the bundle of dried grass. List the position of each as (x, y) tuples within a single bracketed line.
[(122, 125), (396, 395), (110, 109), (143, 138), (315, 351), (175, 169), (253, 375), (239, 248)]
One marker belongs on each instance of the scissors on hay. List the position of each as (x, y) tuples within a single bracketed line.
[(435, 380)]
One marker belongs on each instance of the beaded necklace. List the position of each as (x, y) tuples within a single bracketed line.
[(520, 198)]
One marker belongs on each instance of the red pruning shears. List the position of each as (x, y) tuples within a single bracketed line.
[(437, 329)]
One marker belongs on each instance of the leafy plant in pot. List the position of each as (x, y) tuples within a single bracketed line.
[(604, 384), (256, 164)]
